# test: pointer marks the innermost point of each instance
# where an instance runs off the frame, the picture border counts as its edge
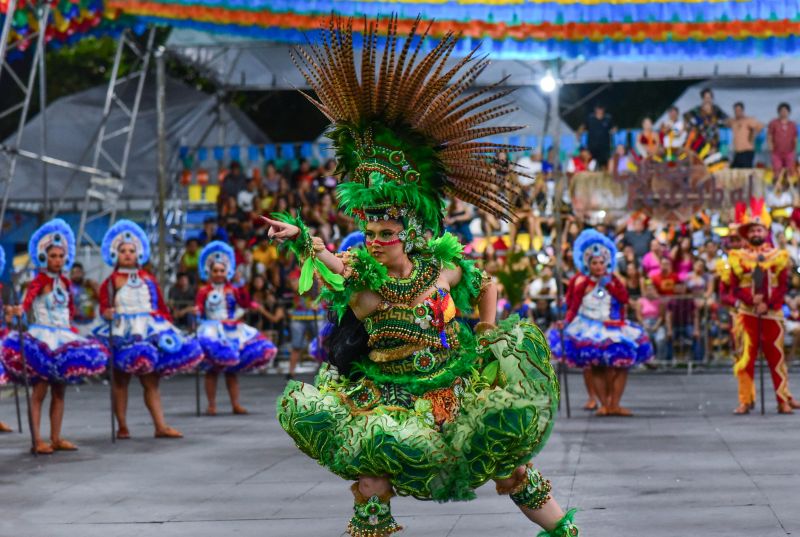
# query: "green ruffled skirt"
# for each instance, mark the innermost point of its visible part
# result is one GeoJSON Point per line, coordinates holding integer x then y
{"type": "Point", "coordinates": [437, 439]}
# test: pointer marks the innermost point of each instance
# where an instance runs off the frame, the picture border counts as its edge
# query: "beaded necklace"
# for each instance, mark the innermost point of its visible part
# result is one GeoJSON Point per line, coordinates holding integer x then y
{"type": "Point", "coordinates": [404, 290]}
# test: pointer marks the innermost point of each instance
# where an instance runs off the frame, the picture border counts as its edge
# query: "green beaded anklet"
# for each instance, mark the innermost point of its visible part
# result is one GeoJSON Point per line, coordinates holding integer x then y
{"type": "Point", "coordinates": [372, 516]}
{"type": "Point", "coordinates": [533, 492]}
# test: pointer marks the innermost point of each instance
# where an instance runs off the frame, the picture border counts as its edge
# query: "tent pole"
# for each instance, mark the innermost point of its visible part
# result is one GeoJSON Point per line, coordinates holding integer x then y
{"type": "Point", "coordinates": [162, 163]}
{"type": "Point", "coordinates": [560, 179]}
{"type": "Point", "coordinates": [43, 119]}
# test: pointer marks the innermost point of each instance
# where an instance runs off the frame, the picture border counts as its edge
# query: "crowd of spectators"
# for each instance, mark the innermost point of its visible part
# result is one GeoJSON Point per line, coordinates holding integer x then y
{"type": "Point", "coordinates": [669, 270]}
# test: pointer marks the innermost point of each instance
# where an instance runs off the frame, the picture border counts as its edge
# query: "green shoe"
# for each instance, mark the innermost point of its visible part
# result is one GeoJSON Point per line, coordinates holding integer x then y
{"type": "Point", "coordinates": [372, 516]}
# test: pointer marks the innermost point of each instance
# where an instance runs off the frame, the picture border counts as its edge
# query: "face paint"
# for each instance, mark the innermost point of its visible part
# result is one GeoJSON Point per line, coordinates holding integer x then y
{"type": "Point", "coordinates": [376, 242]}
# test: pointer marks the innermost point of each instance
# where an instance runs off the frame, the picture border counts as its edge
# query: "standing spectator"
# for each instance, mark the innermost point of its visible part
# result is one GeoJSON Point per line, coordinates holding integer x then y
{"type": "Point", "coordinates": [212, 232]}
{"type": "Point", "coordinates": [626, 257]}
{"type": "Point", "coordinates": [706, 120]}
{"type": "Point", "coordinates": [307, 319]}
{"type": "Point", "coordinates": [181, 301]}
{"type": "Point", "coordinates": [683, 322]}
{"type": "Point", "coordinates": [271, 182]}
{"type": "Point", "coordinates": [682, 258]}
{"type": "Point", "coordinates": [700, 285]}
{"type": "Point", "coordinates": [233, 182]}
{"type": "Point", "coordinates": [651, 313]}
{"type": "Point", "coordinates": [304, 174]}
{"type": "Point", "coordinates": [599, 127]}
{"type": "Point", "coordinates": [542, 314]}
{"type": "Point", "coordinates": [651, 262]}
{"type": "Point", "coordinates": [779, 194]}
{"type": "Point", "coordinates": [710, 254]}
{"type": "Point", "coordinates": [782, 140]}
{"type": "Point", "coordinates": [582, 162]}
{"type": "Point", "coordinates": [745, 129]}
{"type": "Point", "coordinates": [264, 254]}
{"type": "Point", "coordinates": [638, 236]}
{"type": "Point", "coordinates": [665, 281]}
{"type": "Point", "coordinates": [648, 143]}
{"type": "Point", "coordinates": [623, 159]}
{"type": "Point", "coordinates": [459, 217]}
{"type": "Point", "coordinates": [247, 199]}
{"type": "Point", "coordinates": [190, 259]}
{"type": "Point", "coordinates": [231, 217]}
{"type": "Point", "coordinates": [543, 285]}
{"type": "Point", "coordinates": [673, 130]}
{"type": "Point", "coordinates": [529, 168]}
{"type": "Point", "coordinates": [85, 298]}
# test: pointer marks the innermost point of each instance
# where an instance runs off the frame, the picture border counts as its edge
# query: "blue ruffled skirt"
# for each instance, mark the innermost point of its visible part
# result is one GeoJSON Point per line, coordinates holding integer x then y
{"type": "Point", "coordinates": [145, 343]}
{"type": "Point", "coordinates": [53, 354]}
{"type": "Point", "coordinates": [589, 342]}
{"type": "Point", "coordinates": [234, 347]}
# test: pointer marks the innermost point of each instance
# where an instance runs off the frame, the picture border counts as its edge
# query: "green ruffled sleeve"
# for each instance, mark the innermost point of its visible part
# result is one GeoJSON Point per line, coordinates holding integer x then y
{"type": "Point", "coordinates": [303, 247]}
{"type": "Point", "coordinates": [451, 253]}
{"type": "Point", "coordinates": [366, 274]}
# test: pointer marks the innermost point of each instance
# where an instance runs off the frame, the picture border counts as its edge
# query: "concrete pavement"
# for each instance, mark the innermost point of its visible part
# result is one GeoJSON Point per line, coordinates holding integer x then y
{"type": "Point", "coordinates": [683, 466]}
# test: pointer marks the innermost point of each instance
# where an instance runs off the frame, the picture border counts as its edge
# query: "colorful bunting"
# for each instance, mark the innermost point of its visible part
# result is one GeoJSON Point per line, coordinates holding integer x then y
{"type": "Point", "coordinates": [518, 28]}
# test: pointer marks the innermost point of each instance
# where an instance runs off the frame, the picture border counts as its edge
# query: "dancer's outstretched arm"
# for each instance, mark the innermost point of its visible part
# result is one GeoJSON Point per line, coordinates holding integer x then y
{"type": "Point", "coordinates": [282, 231]}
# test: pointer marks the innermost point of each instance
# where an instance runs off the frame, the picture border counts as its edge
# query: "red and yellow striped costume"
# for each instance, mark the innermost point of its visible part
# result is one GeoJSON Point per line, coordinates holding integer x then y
{"type": "Point", "coordinates": [769, 327]}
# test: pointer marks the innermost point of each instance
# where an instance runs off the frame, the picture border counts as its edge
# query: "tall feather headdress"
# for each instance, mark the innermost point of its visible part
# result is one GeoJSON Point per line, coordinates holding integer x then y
{"type": "Point", "coordinates": [408, 127]}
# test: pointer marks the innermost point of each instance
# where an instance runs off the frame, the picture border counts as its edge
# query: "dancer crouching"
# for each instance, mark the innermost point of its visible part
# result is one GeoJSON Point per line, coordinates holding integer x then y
{"type": "Point", "coordinates": [55, 354]}
{"type": "Point", "coordinates": [230, 346]}
{"type": "Point", "coordinates": [596, 334]}
{"type": "Point", "coordinates": [145, 343]}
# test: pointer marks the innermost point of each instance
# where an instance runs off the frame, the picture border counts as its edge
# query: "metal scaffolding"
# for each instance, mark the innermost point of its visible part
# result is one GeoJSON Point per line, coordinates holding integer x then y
{"type": "Point", "coordinates": [109, 150]}
{"type": "Point", "coordinates": [107, 190]}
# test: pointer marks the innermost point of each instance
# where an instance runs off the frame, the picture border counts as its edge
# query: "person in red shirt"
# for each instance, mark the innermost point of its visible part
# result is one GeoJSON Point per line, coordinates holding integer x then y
{"type": "Point", "coordinates": [782, 139]}
{"type": "Point", "coordinates": [666, 278]}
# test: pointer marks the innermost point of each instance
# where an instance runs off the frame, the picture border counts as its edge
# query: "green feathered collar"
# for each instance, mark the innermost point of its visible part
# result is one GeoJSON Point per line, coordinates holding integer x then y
{"type": "Point", "coordinates": [370, 275]}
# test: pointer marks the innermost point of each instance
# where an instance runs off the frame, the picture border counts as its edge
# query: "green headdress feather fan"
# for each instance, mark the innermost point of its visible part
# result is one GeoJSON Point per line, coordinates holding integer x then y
{"type": "Point", "coordinates": [408, 130]}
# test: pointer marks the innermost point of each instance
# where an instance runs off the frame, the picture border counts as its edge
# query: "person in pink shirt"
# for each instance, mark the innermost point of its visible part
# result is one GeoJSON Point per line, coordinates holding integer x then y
{"type": "Point", "coordinates": [782, 139]}
{"type": "Point", "coordinates": [651, 262]}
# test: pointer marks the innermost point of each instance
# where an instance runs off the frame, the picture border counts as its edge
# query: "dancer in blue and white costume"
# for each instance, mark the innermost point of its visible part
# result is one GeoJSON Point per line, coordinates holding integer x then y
{"type": "Point", "coordinates": [597, 334]}
{"type": "Point", "coordinates": [230, 346]}
{"type": "Point", "coordinates": [145, 343]}
{"type": "Point", "coordinates": [54, 352]}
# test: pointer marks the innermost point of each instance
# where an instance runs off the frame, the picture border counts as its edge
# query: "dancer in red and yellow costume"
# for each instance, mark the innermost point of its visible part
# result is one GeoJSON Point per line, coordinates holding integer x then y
{"type": "Point", "coordinates": [758, 281]}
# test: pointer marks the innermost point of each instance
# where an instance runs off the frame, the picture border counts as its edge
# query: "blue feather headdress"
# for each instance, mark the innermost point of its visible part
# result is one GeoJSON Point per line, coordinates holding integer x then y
{"type": "Point", "coordinates": [591, 243]}
{"type": "Point", "coordinates": [216, 252]}
{"type": "Point", "coordinates": [56, 232]}
{"type": "Point", "coordinates": [353, 240]}
{"type": "Point", "coordinates": [125, 232]}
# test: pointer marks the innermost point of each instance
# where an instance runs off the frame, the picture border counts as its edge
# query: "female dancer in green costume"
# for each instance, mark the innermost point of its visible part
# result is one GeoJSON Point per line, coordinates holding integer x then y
{"type": "Point", "coordinates": [413, 402]}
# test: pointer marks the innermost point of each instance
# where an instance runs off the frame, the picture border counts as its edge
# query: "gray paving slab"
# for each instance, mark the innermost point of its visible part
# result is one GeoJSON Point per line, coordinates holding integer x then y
{"type": "Point", "coordinates": [683, 466]}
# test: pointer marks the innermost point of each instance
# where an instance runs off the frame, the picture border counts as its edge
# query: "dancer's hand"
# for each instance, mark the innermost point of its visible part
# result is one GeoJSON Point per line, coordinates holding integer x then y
{"type": "Point", "coordinates": [109, 314]}
{"type": "Point", "coordinates": [280, 230]}
{"type": "Point", "coordinates": [318, 243]}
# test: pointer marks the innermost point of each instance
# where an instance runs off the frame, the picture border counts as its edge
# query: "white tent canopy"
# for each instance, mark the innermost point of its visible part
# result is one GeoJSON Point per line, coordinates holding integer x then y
{"type": "Point", "coordinates": [239, 62]}
{"type": "Point", "coordinates": [192, 118]}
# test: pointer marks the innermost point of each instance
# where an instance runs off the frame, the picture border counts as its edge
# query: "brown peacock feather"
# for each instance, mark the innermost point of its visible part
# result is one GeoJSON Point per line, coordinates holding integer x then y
{"type": "Point", "coordinates": [404, 85]}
